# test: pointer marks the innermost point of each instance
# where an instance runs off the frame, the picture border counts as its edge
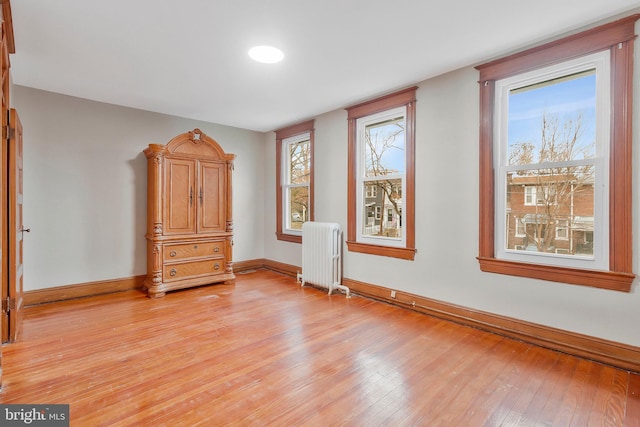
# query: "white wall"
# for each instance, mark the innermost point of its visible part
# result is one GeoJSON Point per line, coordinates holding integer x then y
{"type": "Point", "coordinates": [445, 267]}
{"type": "Point", "coordinates": [85, 192]}
{"type": "Point", "coordinates": [85, 186]}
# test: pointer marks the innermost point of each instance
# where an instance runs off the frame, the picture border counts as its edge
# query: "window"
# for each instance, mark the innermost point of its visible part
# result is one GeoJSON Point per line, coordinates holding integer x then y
{"type": "Point", "coordinates": [553, 173]}
{"type": "Point", "coordinates": [537, 195]}
{"type": "Point", "coordinates": [562, 231]}
{"type": "Point", "coordinates": [520, 228]}
{"type": "Point", "coordinates": [381, 176]}
{"type": "Point", "coordinates": [551, 135]}
{"type": "Point", "coordinates": [296, 180]}
{"type": "Point", "coordinates": [530, 196]}
{"type": "Point", "coordinates": [294, 170]}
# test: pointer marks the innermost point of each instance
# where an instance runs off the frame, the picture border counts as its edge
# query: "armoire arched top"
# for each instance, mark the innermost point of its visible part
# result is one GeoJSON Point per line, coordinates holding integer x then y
{"type": "Point", "coordinates": [196, 143]}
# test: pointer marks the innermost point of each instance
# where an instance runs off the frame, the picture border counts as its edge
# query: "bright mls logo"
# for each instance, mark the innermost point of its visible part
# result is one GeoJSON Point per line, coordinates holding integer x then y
{"type": "Point", "coordinates": [34, 415]}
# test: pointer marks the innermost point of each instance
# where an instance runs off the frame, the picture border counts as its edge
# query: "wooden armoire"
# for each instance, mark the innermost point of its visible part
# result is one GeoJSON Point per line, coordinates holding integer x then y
{"type": "Point", "coordinates": [189, 215]}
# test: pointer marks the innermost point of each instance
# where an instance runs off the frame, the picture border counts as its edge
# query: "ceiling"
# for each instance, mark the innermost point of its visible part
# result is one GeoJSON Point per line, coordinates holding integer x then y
{"type": "Point", "coordinates": [188, 58]}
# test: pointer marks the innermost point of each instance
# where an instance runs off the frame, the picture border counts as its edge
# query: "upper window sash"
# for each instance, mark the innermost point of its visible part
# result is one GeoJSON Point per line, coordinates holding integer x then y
{"type": "Point", "coordinates": [600, 62]}
{"type": "Point", "coordinates": [287, 159]}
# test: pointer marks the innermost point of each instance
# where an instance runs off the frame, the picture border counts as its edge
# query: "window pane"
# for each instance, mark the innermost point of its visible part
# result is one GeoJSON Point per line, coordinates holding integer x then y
{"type": "Point", "coordinates": [298, 206]}
{"type": "Point", "coordinates": [551, 210]}
{"type": "Point", "coordinates": [384, 148]}
{"type": "Point", "coordinates": [387, 199]}
{"type": "Point", "coordinates": [553, 121]}
{"type": "Point", "coordinates": [300, 162]}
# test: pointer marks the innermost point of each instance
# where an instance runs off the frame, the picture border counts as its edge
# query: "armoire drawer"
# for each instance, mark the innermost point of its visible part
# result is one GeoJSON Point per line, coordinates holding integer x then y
{"type": "Point", "coordinates": [194, 250]}
{"type": "Point", "coordinates": [186, 270]}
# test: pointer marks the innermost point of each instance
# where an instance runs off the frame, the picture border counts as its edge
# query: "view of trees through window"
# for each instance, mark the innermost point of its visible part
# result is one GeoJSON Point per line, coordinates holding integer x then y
{"type": "Point", "coordinates": [550, 173]}
{"type": "Point", "coordinates": [384, 170]}
{"type": "Point", "coordinates": [298, 187]}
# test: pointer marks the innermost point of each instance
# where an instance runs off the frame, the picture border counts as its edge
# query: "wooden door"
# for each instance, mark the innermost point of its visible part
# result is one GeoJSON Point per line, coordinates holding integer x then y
{"type": "Point", "coordinates": [4, 199]}
{"type": "Point", "coordinates": [211, 197]}
{"type": "Point", "coordinates": [180, 196]}
{"type": "Point", "coordinates": [7, 46]}
{"type": "Point", "coordinates": [4, 276]}
{"type": "Point", "coordinates": [16, 227]}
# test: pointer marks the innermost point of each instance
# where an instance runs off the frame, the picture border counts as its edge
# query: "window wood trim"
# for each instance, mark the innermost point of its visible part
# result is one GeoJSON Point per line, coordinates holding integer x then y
{"type": "Point", "coordinates": [282, 134]}
{"type": "Point", "coordinates": [618, 38]}
{"type": "Point", "coordinates": [406, 97]}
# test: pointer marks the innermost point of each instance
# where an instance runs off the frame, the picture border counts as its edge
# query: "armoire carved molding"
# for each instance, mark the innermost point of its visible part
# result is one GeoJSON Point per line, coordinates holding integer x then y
{"type": "Point", "coordinates": [189, 214]}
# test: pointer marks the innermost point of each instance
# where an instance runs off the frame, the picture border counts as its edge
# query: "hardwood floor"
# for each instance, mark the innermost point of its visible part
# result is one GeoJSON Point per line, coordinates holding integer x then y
{"type": "Point", "coordinates": [267, 352]}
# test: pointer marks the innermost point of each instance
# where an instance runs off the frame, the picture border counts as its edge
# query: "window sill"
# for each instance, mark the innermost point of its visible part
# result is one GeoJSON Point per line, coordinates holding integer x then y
{"type": "Point", "coordinates": [596, 279]}
{"type": "Point", "coordinates": [289, 237]}
{"type": "Point", "coordinates": [390, 251]}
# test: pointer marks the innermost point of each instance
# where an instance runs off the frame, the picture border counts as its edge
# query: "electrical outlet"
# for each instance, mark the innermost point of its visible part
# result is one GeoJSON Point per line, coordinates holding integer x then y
{"type": "Point", "coordinates": [393, 294]}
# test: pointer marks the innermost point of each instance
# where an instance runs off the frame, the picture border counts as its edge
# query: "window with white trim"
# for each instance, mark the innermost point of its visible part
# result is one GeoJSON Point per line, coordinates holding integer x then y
{"type": "Point", "coordinates": [294, 167]}
{"type": "Point", "coordinates": [372, 191]}
{"type": "Point", "coordinates": [296, 177]}
{"type": "Point", "coordinates": [598, 176]}
{"type": "Point", "coordinates": [530, 195]}
{"type": "Point", "coordinates": [538, 195]}
{"type": "Point", "coordinates": [552, 136]}
{"type": "Point", "coordinates": [382, 155]}
{"type": "Point", "coordinates": [562, 231]}
{"type": "Point", "coordinates": [381, 165]}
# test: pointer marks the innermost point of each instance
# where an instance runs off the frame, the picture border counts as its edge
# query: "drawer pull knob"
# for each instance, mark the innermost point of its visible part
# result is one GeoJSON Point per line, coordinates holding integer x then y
{"type": "Point", "coordinates": [172, 253]}
{"type": "Point", "coordinates": [216, 267]}
{"type": "Point", "coordinates": [195, 246]}
{"type": "Point", "coordinates": [216, 249]}
{"type": "Point", "coordinates": [173, 272]}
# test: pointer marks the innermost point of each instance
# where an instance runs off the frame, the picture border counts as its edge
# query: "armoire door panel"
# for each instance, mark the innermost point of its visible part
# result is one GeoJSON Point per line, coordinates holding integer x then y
{"type": "Point", "coordinates": [212, 197]}
{"type": "Point", "coordinates": [180, 206]}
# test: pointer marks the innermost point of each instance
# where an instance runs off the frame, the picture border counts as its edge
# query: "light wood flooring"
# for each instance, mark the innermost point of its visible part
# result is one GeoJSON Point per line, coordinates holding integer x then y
{"type": "Point", "coordinates": [267, 352]}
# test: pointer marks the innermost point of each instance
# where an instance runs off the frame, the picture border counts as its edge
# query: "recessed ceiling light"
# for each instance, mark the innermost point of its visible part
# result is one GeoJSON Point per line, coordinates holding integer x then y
{"type": "Point", "coordinates": [266, 54]}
